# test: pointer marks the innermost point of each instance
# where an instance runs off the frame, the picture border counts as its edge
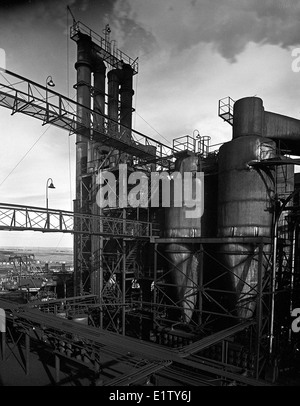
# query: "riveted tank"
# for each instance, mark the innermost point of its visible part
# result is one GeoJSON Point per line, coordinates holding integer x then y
{"type": "Point", "coordinates": [182, 257]}
{"type": "Point", "coordinates": [245, 210]}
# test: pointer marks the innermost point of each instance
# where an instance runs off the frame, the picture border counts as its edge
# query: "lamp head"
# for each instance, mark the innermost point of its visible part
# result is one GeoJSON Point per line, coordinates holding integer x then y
{"type": "Point", "coordinates": [51, 186]}
{"type": "Point", "coordinates": [50, 82]}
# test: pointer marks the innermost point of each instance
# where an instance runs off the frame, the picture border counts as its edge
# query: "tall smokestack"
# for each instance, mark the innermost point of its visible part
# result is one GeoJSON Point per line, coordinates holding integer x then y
{"type": "Point", "coordinates": [84, 68]}
{"type": "Point", "coordinates": [127, 93]}
{"type": "Point", "coordinates": [95, 155]}
{"type": "Point", "coordinates": [113, 77]}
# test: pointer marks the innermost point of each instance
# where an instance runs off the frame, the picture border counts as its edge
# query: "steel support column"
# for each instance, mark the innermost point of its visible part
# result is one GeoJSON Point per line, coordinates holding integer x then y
{"type": "Point", "coordinates": [3, 345]}
{"type": "Point", "coordinates": [259, 314]}
{"type": "Point", "coordinates": [27, 352]}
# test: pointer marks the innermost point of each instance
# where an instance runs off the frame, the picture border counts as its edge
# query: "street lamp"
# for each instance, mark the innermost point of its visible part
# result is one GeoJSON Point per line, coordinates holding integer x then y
{"type": "Point", "coordinates": [49, 186]}
{"type": "Point", "coordinates": [49, 81]}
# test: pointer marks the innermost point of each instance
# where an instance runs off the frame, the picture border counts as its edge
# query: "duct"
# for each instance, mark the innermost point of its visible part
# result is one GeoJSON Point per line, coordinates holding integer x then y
{"type": "Point", "coordinates": [284, 130]}
{"type": "Point", "coordinates": [250, 118]}
{"type": "Point", "coordinates": [183, 261]}
{"type": "Point", "coordinates": [99, 92]}
{"type": "Point", "coordinates": [96, 151]}
{"type": "Point", "coordinates": [95, 148]}
{"type": "Point", "coordinates": [83, 67]}
{"type": "Point", "coordinates": [244, 203]}
{"type": "Point", "coordinates": [114, 77]}
{"type": "Point", "coordinates": [281, 127]}
{"type": "Point", "coordinates": [126, 92]}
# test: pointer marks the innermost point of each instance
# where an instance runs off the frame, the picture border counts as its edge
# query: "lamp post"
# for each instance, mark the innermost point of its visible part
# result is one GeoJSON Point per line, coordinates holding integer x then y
{"type": "Point", "coordinates": [50, 83]}
{"type": "Point", "coordinates": [49, 186]}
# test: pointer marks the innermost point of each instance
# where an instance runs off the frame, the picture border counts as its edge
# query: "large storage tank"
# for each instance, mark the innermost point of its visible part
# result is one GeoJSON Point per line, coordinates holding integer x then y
{"type": "Point", "coordinates": [244, 210]}
{"type": "Point", "coordinates": [183, 261]}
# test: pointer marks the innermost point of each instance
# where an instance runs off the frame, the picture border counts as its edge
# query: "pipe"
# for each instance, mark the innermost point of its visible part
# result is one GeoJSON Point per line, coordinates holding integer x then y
{"type": "Point", "coordinates": [293, 272]}
{"type": "Point", "coordinates": [96, 151]}
{"type": "Point", "coordinates": [84, 68]}
{"type": "Point", "coordinates": [95, 148]}
{"type": "Point", "coordinates": [273, 282]}
{"type": "Point", "coordinates": [278, 213]}
{"type": "Point", "coordinates": [126, 92]}
{"type": "Point", "coordinates": [99, 91]}
{"type": "Point", "coordinates": [113, 107]}
{"type": "Point", "coordinates": [113, 77]}
{"type": "Point", "coordinates": [250, 118]}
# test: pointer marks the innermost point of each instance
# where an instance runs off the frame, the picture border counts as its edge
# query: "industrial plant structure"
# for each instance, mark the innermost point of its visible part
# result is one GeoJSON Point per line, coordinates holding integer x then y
{"type": "Point", "coordinates": [160, 297]}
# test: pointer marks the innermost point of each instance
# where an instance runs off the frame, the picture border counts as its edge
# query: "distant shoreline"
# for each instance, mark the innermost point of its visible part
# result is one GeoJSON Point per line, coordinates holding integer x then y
{"type": "Point", "coordinates": [51, 255]}
{"type": "Point", "coordinates": [30, 248]}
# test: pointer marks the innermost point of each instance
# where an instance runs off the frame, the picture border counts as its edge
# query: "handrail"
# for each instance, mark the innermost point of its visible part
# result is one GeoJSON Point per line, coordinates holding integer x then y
{"type": "Point", "coordinates": [20, 217]}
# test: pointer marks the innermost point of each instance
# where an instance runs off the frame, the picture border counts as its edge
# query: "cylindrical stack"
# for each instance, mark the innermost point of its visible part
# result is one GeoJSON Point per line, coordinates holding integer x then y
{"type": "Point", "coordinates": [244, 210]}
{"type": "Point", "coordinates": [99, 92]}
{"type": "Point", "coordinates": [248, 117]}
{"type": "Point", "coordinates": [96, 154]}
{"type": "Point", "coordinates": [113, 77]}
{"type": "Point", "coordinates": [126, 94]}
{"type": "Point", "coordinates": [84, 69]}
{"type": "Point", "coordinates": [99, 109]}
{"type": "Point", "coordinates": [183, 262]}
{"type": "Point", "coordinates": [83, 66]}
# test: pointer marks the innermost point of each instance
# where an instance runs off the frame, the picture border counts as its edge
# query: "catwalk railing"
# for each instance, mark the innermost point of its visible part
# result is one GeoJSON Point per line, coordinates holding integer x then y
{"type": "Point", "coordinates": [88, 345]}
{"type": "Point", "coordinates": [105, 48]}
{"type": "Point", "coordinates": [18, 217]}
{"type": "Point", "coordinates": [22, 95]}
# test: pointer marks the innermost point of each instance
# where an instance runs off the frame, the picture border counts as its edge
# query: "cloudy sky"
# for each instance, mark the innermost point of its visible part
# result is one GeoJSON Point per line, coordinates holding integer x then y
{"type": "Point", "coordinates": [191, 53]}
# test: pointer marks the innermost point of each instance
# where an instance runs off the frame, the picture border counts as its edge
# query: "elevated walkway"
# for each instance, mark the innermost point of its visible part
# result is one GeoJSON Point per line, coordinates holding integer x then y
{"type": "Point", "coordinates": [21, 218]}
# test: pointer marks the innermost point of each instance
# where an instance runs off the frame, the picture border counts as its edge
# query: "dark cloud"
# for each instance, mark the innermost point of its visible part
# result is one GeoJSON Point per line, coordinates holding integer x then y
{"type": "Point", "coordinates": [228, 25]}
{"type": "Point", "coordinates": [12, 4]}
{"type": "Point", "coordinates": [145, 26]}
{"type": "Point", "coordinates": [43, 13]}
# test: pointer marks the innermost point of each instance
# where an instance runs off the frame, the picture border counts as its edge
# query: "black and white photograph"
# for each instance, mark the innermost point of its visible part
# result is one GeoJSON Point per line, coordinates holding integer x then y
{"type": "Point", "coordinates": [150, 196]}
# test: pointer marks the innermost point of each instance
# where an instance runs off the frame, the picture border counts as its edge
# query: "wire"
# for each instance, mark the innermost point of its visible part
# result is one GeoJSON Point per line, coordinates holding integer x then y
{"type": "Point", "coordinates": [70, 174]}
{"type": "Point", "coordinates": [24, 156]}
{"type": "Point", "coordinates": [153, 128]}
{"type": "Point", "coordinates": [135, 99]}
{"type": "Point", "coordinates": [68, 93]}
{"type": "Point", "coordinates": [136, 85]}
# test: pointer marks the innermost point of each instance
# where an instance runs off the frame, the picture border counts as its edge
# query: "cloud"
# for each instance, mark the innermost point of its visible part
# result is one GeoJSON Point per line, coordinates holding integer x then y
{"type": "Point", "coordinates": [228, 25]}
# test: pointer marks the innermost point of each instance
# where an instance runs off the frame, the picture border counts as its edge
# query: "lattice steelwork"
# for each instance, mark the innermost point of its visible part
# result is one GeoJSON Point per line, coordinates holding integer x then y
{"type": "Point", "coordinates": [214, 310]}
{"type": "Point", "coordinates": [108, 358]}
{"type": "Point", "coordinates": [22, 95]}
{"type": "Point", "coordinates": [19, 217]}
{"type": "Point", "coordinates": [109, 248]}
{"type": "Point", "coordinates": [106, 50]}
